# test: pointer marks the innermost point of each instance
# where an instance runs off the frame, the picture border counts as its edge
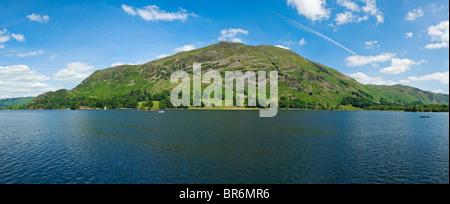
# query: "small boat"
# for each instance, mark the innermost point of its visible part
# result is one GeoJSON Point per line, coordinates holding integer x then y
{"type": "Point", "coordinates": [105, 108]}
{"type": "Point", "coordinates": [161, 112]}
{"type": "Point", "coordinates": [425, 116]}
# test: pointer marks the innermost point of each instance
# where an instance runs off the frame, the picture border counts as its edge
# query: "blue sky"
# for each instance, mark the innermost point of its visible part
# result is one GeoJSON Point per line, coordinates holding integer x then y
{"type": "Point", "coordinates": [51, 44]}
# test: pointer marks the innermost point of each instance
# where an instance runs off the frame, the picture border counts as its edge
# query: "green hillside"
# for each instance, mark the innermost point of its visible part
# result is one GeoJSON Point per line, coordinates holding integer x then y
{"type": "Point", "coordinates": [302, 83]}
{"type": "Point", "coordinates": [4, 103]}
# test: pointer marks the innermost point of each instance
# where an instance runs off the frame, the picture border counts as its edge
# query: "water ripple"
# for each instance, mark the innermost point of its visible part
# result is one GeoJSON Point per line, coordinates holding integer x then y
{"type": "Point", "coordinates": [222, 147]}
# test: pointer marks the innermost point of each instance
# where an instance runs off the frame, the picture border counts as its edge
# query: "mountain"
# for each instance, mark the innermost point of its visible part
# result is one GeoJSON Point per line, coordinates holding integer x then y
{"type": "Point", "coordinates": [302, 83]}
{"type": "Point", "coordinates": [4, 103]}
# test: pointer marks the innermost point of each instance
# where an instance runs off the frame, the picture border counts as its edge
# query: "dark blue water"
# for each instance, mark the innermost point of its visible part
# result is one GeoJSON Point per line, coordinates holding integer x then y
{"type": "Point", "coordinates": [223, 147]}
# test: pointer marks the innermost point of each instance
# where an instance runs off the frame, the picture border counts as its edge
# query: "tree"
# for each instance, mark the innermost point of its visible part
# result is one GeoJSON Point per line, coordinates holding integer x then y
{"type": "Point", "coordinates": [148, 104]}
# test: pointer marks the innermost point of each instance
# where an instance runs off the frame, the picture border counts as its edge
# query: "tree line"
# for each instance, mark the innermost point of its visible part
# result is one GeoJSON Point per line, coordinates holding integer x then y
{"type": "Point", "coordinates": [62, 99]}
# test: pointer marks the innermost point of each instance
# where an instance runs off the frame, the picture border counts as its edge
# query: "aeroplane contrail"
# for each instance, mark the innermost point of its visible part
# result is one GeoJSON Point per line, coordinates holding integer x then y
{"type": "Point", "coordinates": [303, 27]}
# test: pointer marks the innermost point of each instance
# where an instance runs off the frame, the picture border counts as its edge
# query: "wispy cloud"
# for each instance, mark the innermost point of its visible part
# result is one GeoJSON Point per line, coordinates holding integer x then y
{"type": "Point", "coordinates": [357, 60]}
{"type": "Point", "coordinates": [154, 13]}
{"type": "Point", "coordinates": [231, 35]}
{"type": "Point", "coordinates": [38, 18]}
{"type": "Point", "coordinates": [355, 13]}
{"type": "Point", "coordinates": [414, 14]}
{"type": "Point", "coordinates": [74, 72]}
{"type": "Point", "coordinates": [348, 17]}
{"type": "Point", "coordinates": [29, 54]}
{"type": "Point", "coordinates": [302, 42]}
{"type": "Point", "coordinates": [372, 44]}
{"type": "Point", "coordinates": [282, 47]}
{"type": "Point", "coordinates": [162, 56]}
{"type": "Point", "coordinates": [303, 27]}
{"type": "Point", "coordinates": [365, 79]}
{"type": "Point", "coordinates": [18, 37]}
{"type": "Point", "coordinates": [21, 81]}
{"type": "Point", "coordinates": [348, 4]}
{"type": "Point", "coordinates": [5, 36]}
{"type": "Point", "coordinates": [438, 76]}
{"type": "Point", "coordinates": [184, 48]}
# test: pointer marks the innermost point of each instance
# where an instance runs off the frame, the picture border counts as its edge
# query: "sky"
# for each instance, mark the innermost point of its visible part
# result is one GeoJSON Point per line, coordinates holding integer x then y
{"type": "Point", "coordinates": [48, 45]}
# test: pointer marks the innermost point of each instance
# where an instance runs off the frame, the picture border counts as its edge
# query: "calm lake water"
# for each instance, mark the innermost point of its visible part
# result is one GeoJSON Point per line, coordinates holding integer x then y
{"type": "Point", "coordinates": [223, 147]}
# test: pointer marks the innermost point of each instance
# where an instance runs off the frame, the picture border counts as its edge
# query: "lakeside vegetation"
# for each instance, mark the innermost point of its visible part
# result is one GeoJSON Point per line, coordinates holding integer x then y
{"type": "Point", "coordinates": [354, 103]}
{"type": "Point", "coordinates": [11, 102]}
{"type": "Point", "coordinates": [143, 100]}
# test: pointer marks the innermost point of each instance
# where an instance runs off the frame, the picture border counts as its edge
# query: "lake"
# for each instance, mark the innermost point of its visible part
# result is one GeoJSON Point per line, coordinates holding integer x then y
{"type": "Point", "coordinates": [223, 147]}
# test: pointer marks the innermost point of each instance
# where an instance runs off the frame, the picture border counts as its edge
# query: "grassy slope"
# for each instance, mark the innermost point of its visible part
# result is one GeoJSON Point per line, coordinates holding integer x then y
{"type": "Point", "coordinates": [299, 78]}
{"type": "Point", "coordinates": [14, 101]}
{"type": "Point", "coordinates": [407, 94]}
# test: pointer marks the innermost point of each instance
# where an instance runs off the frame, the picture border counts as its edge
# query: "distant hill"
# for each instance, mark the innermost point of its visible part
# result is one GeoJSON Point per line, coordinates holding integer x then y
{"type": "Point", "coordinates": [302, 83]}
{"type": "Point", "coordinates": [14, 101]}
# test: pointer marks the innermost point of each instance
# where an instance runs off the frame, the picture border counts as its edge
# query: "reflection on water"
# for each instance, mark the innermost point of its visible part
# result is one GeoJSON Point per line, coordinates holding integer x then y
{"type": "Point", "coordinates": [222, 147]}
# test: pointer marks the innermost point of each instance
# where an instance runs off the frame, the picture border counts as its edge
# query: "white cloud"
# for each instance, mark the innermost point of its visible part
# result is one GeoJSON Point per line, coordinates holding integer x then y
{"type": "Point", "coordinates": [312, 9]}
{"type": "Point", "coordinates": [18, 37]}
{"type": "Point", "coordinates": [358, 60]}
{"type": "Point", "coordinates": [371, 9]}
{"type": "Point", "coordinates": [399, 66]}
{"type": "Point", "coordinates": [365, 79]}
{"type": "Point", "coordinates": [344, 18]}
{"type": "Point", "coordinates": [440, 34]}
{"type": "Point", "coordinates": [409, 35]}
{"type": "Point", "coordinates": [38, 18]}
{"type": "Point", "coordinates": [162, 56]}
{"type": "Point", "coordinates": [356, 14]}
{"type": "Point", "coordinates": [438, 76]}
{"type": "Point", "coordinates": [439, 91]}
{"type": "Point", "coordinates": [120, 64]}
{"type": "Point", "coordinates": [130, 10]}
{"type": "Point", "coordinates": [184, 48]}
{"type": "Point", "coordinates": [282, 47]}
{"type": "Point", "coordinates": [302, 42]}
{"type": "Point", "coordinates": [153, 13]}
{"type": "Point", "coordinates": [352, 6]}
{"type": "Point", "coordinates": [53, 57]}
{"type": "Point", "coordinates": [436, 46]}
{"type": "Point", "coordinates": [116, 64]}
{"type": "Point", "coordinates": [231, 35]}
{"type": "Point", "coordinates": [29, 54]}
{"type": "Point", "coordinates": [348, 17]}
{"type": "Point", "coordinates": [4, 36]}
{"type": "Point", "coordinates": [380, 18]}
{"type": "Point", "coordinates": [414, 14]}
{"type": "Point", "coordinates": [21, 81]}
{"type": "Point", "coordinates": [74, 72]}
{"type": "Point", "coordinates": [3, 31]}
{"type": "Point", "coordinates": [372, 44]}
